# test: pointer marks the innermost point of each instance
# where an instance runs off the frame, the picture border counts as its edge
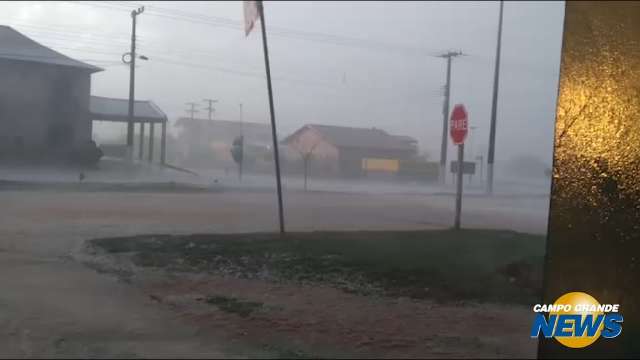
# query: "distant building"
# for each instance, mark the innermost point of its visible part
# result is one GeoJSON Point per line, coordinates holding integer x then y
{"type": "Point", "coordinates": [207, 143]}
{"type": "Point", "coordinates": [349, 151]}
{"type": "Point", "coordinates": [44, 99]}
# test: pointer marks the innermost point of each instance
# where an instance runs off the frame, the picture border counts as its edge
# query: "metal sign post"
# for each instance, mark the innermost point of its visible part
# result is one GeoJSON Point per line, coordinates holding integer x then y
{"type": "Point", "coordinates": [456, 224]}
{"type": "Point", "coordinates": [458, 129]}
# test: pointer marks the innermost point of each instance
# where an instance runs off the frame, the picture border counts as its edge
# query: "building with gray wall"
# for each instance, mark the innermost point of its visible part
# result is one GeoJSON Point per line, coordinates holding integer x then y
{"type": "Point", "coordinates": [44, 99]}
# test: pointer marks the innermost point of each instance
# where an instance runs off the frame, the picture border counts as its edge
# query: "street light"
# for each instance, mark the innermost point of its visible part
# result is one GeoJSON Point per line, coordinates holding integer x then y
{"type": "Point", "coordinates": [128, 61]}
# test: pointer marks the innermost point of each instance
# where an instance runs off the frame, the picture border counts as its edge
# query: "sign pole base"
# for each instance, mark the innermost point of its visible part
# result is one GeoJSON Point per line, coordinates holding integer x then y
{"type": "Point", "coordinates": [459, 182]}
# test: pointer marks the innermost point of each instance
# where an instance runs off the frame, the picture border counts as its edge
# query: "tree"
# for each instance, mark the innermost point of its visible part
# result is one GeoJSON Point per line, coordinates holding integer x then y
{"type": "Point", "coordinates": [237, 152]}
{"type": "Point", "coordinates": [87, 155]}
{"type": "Point", "coordinates": [306, 153]}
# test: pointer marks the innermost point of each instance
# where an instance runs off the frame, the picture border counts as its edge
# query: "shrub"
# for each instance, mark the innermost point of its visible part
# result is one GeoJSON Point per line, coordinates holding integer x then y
{"type": "Point", "coordinates": [86, 155]}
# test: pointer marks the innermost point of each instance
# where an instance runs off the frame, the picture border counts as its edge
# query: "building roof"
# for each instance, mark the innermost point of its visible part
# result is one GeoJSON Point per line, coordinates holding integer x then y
{"type": "Point", "coordinates": [226, 130]}
{"type": "Point", "coordinates": [15, 46]}
{"type": "Point", "coordinates": [110, 109]}
{"type": "Point", "coordinates": [363, 138]}
{"type": "Point", "coordinates": [406, 138]}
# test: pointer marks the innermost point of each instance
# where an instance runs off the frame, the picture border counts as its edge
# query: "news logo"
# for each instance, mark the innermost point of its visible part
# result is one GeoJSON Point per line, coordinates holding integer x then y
{"type": "Point", "coordinates": [577, 320]}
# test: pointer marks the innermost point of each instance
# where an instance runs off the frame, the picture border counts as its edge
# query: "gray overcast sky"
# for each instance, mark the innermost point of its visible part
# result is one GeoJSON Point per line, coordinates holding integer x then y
{"type": "Point", "coordinates": [381, 86]}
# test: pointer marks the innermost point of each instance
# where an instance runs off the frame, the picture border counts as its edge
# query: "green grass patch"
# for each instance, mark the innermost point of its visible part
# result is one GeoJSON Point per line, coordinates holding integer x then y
{"type": "Point", "coordinates": [484, 265]}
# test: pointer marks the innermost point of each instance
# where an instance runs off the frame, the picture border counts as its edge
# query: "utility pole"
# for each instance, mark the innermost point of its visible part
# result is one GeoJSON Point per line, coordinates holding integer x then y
{"type": "Point", "coordinates": [141, 145]}
{"type": "Point", "coordinates": [445, 115]}
{"type": "Point", "coordinates": [132, 79]}
{"type": "Point", "coordinates": [241, 122]}
{"type": "Point", "coordinates": [456, 224]}
{"type": "Point", "coordinates": [274, 135]}
{"type": "Point", "coordinates": [242, 143]}
{"type": "Point", "coordinates": [210, 107]}
{"type": "Point", "coordinates": [193, 110]}
{"type": "Point", "coordinates": [480, 159]}
{"type": "Point", "coordinates": [472, 151]}
{"type": "Point", "coordinates": [472, 130]}
{"type": "Point", "coordinates": [494, 108]}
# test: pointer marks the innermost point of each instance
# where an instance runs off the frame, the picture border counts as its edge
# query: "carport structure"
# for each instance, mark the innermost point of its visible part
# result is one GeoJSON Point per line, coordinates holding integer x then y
{"type": "Point", "coordinates": [144, 111]}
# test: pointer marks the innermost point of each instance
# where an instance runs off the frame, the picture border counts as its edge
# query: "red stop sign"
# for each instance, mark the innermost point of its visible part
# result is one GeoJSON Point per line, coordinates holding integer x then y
{"type": "Point", "coordinates": [458, 124]}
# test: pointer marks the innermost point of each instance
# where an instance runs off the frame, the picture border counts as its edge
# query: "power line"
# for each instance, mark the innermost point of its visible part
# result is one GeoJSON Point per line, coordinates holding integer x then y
{"type": "Point", "coordinates": [171, 61]}
{"type": "Point", "coordinates": [41, 36]}
{"type": "Point", "coordinates": [117, 48]}
{"type": "Point", "coordinates": [152, 52]}
{"type": "Point", "coordinates": [334, 40]}
{"type": "Point", "coordinates": [82, 33]}
{"type": "Point", "coordinates": [207, 56]}
{"type": "Point", "coordinates": [237, 72]}
{"type": "Point", "coordinates": [31, 57]}
{"type": "Point", "coordinates": [63, 38]}
{"type": "Point", "coordinates": [57, 37]}
{"type": "Point", "coordinates": [164, 59]}
{"type": "Point", "coordinates": [300, 34]}
{"type": "Point", "coordinates": [88, 50]}
{"type": "Point", "coordinates": [64, 27]}
{"type": "Point", "coordinates": [180, 15]}
{"type": "Point", "coordinates": [98, 5]}
{"type": "Point", "coordinates": [72, 38]}
{"type": "Point", "coordinates": [62, 30]}
{"type": "Point", "coordinates": [40, 58]}
{"type": "Point", "coordinates": [51, 33]}
{"type": "Point", "coordinates": [109, 40]}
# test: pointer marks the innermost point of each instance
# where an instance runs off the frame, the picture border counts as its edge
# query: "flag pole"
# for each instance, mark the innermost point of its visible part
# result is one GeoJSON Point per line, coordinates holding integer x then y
{"type": "Point", "coordinates": [273, 116]}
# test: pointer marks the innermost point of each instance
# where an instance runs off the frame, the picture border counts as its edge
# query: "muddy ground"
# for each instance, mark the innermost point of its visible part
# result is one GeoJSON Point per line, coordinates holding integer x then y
{"type": "Point", "coordinates": [262, 293]}
{"type": "Point", "coordinates": [55, 306]}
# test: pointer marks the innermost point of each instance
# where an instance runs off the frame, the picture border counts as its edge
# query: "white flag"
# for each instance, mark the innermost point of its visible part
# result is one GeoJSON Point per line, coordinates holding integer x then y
{"type": "Point", "coordinates": [250, 16]}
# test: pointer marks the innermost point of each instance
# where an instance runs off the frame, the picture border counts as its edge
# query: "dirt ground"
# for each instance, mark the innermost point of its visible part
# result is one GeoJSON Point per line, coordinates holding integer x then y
{"type": "Point", "coordinates": [53, 306]}
{"type": "Point", "coordinates": [58, 308]}
{"type": "Point", "coordinates": [320, 321]}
